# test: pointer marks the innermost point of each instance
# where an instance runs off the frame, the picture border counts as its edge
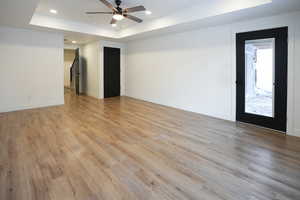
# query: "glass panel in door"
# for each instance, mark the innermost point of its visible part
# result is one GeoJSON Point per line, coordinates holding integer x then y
{"type": "Point", "coordinates": [259, 76]}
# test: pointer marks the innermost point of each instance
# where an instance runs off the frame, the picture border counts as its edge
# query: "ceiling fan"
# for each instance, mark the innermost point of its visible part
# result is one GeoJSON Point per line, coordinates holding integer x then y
{"type": "Point", "coordinates": [120, 13]}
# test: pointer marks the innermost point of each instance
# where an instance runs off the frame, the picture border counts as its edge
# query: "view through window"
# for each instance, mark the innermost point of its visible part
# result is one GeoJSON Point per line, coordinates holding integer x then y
{"type": "Point", "coordinates": [259, 95]}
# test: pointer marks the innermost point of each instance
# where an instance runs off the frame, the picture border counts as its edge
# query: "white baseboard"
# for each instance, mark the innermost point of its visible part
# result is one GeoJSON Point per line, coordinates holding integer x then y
{"type": "Point", "coordinates": [227, 118]}
{"type": "Point", "coordinates": [295, 132]}
{"type": "Point", "coordinates": [27, 107]}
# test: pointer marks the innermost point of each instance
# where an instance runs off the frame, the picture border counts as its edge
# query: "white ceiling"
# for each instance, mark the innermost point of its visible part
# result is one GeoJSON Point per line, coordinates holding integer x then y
{"type": "Point", "coordinates": [74, 10]}
{"type": "Point", "coordinates": [12, 13]}
{"type": "Point", "coordinates": [167, 15]}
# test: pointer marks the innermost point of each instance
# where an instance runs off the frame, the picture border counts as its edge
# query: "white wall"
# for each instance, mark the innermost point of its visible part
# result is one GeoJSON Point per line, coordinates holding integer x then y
{"type": "Point", "coordinates": [195, 70]}
{"type": "Point", "coordinates": [188, 71]}
{"type": "Point", "coordinates": [32, 69]}
{"type": "Point", "coordinates": [297, 80]}
{"type": "Point", "coordinates": [90, 61]}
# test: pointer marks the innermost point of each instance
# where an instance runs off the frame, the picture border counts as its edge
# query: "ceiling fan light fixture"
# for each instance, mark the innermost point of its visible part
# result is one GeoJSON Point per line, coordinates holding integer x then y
{"type": "Point", "coordinates": [120, 13]}
{"type": "Point", "coordinates": [114, 25]}
{"type": "Point", "coordinates": [118, 17]}
{"type": "Point", "coordinates": [148, 12]}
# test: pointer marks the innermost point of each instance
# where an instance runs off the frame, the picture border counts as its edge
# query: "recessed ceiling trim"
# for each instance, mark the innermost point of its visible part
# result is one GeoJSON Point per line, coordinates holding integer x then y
{"type": "Point", "coordinates": [214, 8]}
{"type": "Point", "coordinates": [192, 14]}
{"type": "Point", "coordinates": [65, 25]}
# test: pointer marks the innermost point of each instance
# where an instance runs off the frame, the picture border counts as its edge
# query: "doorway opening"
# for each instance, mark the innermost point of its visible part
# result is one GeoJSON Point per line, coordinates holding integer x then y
{"type": "Point", "coordinates": [69, 56]}
{"type": "Point", "coordinates": [262, 78]}
{"type": "Point", "coordinates": [71, 71]}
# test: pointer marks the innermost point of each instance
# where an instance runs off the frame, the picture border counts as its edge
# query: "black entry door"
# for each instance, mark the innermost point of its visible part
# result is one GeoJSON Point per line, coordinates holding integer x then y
{"type": "Point", "coordinates": [262, 78]}
{"type": "Point", "coordinates": [111, 72]}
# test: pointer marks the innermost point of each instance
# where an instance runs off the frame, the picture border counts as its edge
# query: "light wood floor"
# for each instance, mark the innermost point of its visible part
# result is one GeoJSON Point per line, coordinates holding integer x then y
{"type": "Point", "coordinates": [122, 148]}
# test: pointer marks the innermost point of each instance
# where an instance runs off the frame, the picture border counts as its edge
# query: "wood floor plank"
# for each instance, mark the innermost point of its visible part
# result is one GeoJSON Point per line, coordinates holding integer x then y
{"type": "Point", "coordinates": [126, 149]}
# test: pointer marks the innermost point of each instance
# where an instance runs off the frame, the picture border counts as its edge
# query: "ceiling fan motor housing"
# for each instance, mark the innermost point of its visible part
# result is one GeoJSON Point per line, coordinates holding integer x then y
{"type": "Point", "coordinates": [118, 2]}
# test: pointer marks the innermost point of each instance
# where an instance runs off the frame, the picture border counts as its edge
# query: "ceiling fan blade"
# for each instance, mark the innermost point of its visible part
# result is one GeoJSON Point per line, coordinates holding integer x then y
{"type": "Point", "coordinates": [105, 2]}
{"type": "Point", "coordinates": [135, 9]}
{"type": "Point", "coordinates": [113, 21]}
{"type": "Point", "coordinates": [136, 19]}
{"type": "Point", "coordinates": [90, 13]}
